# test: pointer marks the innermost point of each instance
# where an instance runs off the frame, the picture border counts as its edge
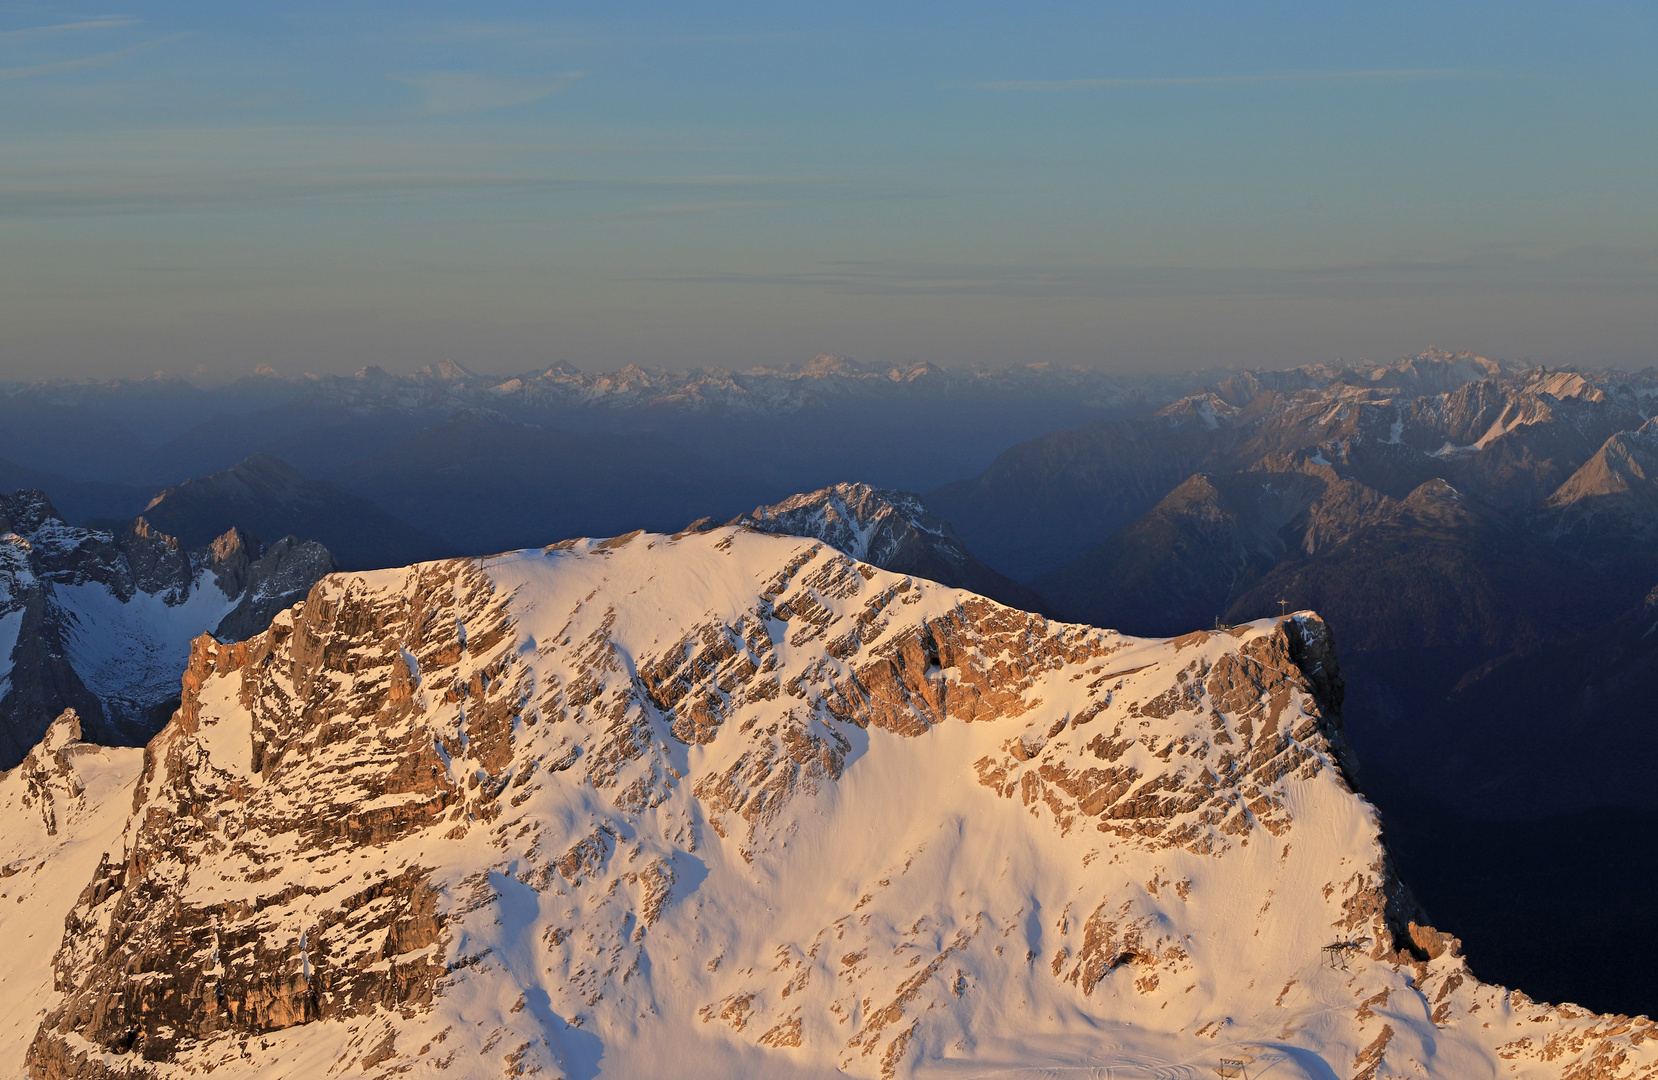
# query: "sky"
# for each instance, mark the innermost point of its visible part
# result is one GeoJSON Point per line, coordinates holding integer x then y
{"type": "Point", "coordinates": [207, 187]}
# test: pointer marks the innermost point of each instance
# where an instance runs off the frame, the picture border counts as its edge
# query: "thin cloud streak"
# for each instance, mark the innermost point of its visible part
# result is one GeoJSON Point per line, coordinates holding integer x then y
{"type": "Point", "coordinates": [278, 187]}
{"type": "Point", "coordinates": [83, 63]}
{"type": "Point", "coordinates": [451, 93]}
{"type": "Point", "coordinates": [1050, 86]}
{"type": "Point", "coordinates": [687, 210]}
{"type": "Point", "coordinates": [1486, 271]}
{"type": "Point", "coordinates": [60, 28]}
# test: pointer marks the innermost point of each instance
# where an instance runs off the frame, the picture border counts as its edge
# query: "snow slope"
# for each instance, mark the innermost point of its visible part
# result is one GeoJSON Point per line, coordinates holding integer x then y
{"type": "Point", "coordinates": [129, 652]}
{"type": "Point", "coordinates": [64, 807]}
{"type": "Point", "coordinates": [734, 804]}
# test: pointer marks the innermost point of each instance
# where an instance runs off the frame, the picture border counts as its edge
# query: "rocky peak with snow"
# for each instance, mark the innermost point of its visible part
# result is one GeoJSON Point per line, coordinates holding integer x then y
{"type": "Point", "coordinates": [868, 523]}
{"type": "Point", "coordinates": [890, 529]}
{"type": "Point", "coordinates": [101, 622]}
{"type": "Point", "coordinates": [730, 803]}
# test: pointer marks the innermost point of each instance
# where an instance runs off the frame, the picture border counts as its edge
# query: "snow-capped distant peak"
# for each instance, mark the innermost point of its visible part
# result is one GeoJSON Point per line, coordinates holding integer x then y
{"type": "Point", "coordinates": [444, 371]}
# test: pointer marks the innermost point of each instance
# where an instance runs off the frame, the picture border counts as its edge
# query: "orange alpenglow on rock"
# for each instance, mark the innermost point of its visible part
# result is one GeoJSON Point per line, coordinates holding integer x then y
{"type": "Point", "coordinates": [730, 803]}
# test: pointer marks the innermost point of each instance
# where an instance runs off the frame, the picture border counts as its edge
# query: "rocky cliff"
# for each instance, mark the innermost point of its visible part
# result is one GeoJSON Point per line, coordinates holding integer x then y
{"type": "Point", "coordinates": [101, 622]}
{"type": "Point", "coordinates": [730, 803]}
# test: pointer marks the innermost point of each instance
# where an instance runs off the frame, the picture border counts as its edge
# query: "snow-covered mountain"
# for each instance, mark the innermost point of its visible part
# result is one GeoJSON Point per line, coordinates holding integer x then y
{"type": "Point", "coordinates": [890, 529]}
{"type": "Point", "coordinates": [101, 622]}
{"type": "Point", "coordinates": [64, 807]}
{"type": "Point", "coordinates": [735, 804]}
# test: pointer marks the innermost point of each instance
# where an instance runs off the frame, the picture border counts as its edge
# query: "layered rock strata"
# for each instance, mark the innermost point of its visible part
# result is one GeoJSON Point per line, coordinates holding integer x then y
{"type": "Point", "coordinates": [736, 804]}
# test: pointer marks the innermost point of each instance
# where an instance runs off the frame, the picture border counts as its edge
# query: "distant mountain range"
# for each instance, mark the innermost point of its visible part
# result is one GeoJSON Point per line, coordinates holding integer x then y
{"type": "Point", "coordinates": [911, 425]}
{"type": "Point", "coordinates": [1511, 436]}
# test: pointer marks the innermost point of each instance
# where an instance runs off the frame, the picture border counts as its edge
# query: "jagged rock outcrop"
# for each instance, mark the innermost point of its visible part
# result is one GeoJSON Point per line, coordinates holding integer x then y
{"type": "Point", "coordinates": [730, 803]}
{"type": "Point", "coordinates": [890, 529]}
{"type": "Point", "coordinates": [101, 622]}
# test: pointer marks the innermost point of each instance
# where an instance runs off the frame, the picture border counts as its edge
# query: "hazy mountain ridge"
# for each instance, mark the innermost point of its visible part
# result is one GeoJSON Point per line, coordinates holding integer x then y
{"type": "Point", "coordinates": [764, 389]}
{"type": "Point", "coordinates": [265, 496]}
{"type": "Point", "coordinates": [115, 429]}
{"type": "Point", "coordinates": [578, 785]}
{"type": "Point", "coordinates": [1511, 436]}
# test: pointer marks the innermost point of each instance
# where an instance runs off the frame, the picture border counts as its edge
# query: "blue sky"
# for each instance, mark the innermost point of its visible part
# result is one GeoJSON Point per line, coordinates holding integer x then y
{"type": "Point", "coordinates": [316, 187]}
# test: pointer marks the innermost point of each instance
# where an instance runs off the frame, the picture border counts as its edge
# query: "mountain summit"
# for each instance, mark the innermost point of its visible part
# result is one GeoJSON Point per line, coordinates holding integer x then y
{"type": "Point", "coordinates": [890, 529]}
{"type": "Point", "coordinates": [735, 804]}
{"type": "Point", "coordinates": [1619, 482]}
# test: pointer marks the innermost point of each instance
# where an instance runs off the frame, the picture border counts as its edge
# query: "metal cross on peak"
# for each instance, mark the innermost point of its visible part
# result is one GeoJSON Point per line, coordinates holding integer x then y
{"type": "Point", "coordinates": [1283, 608]}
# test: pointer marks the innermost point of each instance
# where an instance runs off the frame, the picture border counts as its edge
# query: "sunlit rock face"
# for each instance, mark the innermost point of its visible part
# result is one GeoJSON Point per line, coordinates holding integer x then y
{"type": "Point", "coordinates": [731, 803]}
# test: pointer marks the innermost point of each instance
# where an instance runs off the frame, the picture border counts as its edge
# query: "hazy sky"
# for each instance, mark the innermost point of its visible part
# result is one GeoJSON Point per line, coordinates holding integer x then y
{"type": "Point", "coordinates": [319, 186]}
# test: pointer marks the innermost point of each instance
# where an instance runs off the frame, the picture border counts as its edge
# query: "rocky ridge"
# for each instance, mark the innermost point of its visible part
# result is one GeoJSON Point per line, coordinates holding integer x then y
{"type": "Point", "coordinates": [1510, 436]}
{"type": "Point", "coordinates": [101, 622]}
{"type": "Point", "coordinates": [730, 803]}
{"type": "Point", "coordinates": [890, 529]}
